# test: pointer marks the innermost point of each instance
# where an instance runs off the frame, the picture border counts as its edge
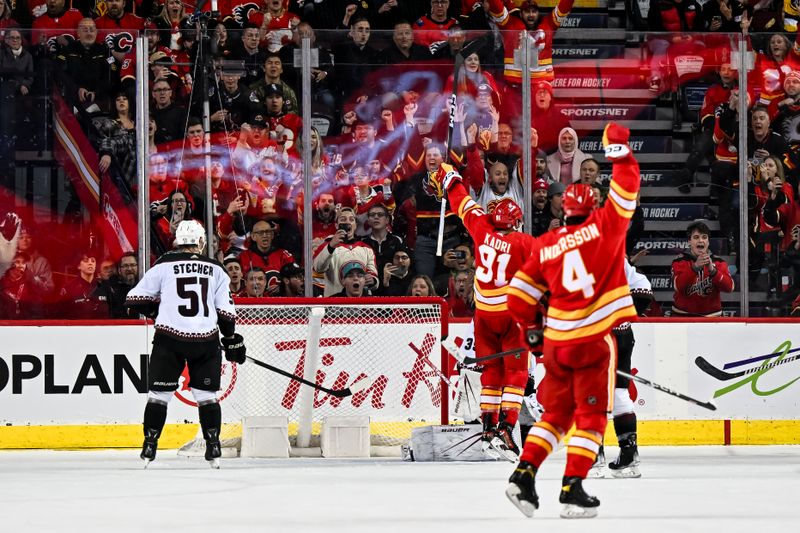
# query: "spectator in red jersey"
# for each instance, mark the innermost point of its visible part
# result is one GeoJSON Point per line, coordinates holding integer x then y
{"type": "Point", "coordinates": [118, 29]}
{"type": "Point", "coordinates": [788, 114]}
{"type": "Point", "coordinates": [699, 276]}
{"type": "Point", "coordinates": [233, 266]}
{"type": "Point", "coordinates": [433, 27]}
{"type": "Point", "coordinates": [161, 186]}
{"type": "Point", "coordinates": [19, 298]}
{"type": "Point", "coordinates": [178, 210]}
{"type": "Point", "coordinates": [462, 299]}
{"type": "Point", "coordinates": [546, 119]}
{"type": "Point", "coordinates": [285, 128]}
{"type": "Point", "coordinates": [363, 197]}
{"type": "Point", "coordinates": [168, 24]}
{"type": "Point", "coordinates": [276, 24]}
{"type": "Point", "coordinates": [264, 254]}
{"type": "Point", "coordinates": [676, 17]}
{"type": "Point", "coordinates": [56, 27]}
{"type": "Point", "coordinates": [6, 20]}
{"type": "Point", "coordinates": [343, 248]}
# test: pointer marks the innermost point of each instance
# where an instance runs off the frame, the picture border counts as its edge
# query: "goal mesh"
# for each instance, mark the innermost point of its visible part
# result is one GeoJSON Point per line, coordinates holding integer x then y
{"type": "Point", "coordinates": [395, 344]}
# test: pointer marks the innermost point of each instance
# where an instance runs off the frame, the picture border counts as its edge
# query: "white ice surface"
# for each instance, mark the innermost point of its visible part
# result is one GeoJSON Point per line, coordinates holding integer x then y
{"type": "Point", "coordinates": [683, 489]}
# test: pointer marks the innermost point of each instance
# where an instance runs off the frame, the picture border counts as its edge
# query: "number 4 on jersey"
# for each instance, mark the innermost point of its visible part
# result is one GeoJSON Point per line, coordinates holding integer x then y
{"type": "Point", "coordinates": [575, 277]}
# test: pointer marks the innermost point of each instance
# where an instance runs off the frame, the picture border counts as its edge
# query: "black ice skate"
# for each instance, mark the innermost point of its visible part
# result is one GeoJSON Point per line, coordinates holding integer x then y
{"type": "Point", "coordinates": [627, 464]}
{"type": "Point", "coordinates": [577, 504]}
{"type": "Point", "coordinates": [213, 448]}
{"type": "Point", "coordinates": [597, 470]}
{"type": "Point", "coordinates": [503, 442]}
{"type": "Point", "coordinates": [149, 446]}
{"type": "Point", "coordinates": [521, 490]}
{"type": "Point", "coordinates": [489, 434]}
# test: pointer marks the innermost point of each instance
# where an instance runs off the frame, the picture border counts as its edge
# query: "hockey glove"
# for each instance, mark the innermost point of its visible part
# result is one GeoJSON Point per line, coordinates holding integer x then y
{"type": "Point", "coordinates": [615, 142]}
{"type": "Point", "coordinates": [444, 178]}
{"type": "Point", "coordinates": [235, 350]}
{"type": "Point", "coordinates": [533, 337]}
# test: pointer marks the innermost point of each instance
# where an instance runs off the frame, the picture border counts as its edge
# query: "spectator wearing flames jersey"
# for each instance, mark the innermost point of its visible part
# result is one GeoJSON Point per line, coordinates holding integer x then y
{"type": "Point", "coordinates": [433, 27]}
{"type": "Point", "coordinates": [119, 29]}
{"type": "Point", "coordinates": [699, 277]}
{"type": "Point", "coordinates": [540, 31]}
{"type": "Point", "coordinates": [55, 27]}
{"type": "Point", "coordinates": [261, 253]}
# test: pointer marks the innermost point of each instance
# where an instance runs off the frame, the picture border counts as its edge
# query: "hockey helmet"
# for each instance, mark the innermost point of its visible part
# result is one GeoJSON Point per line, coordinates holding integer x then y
{"type": "Point", "coordinates": [579, 200]}
{"type": "Point", "coordinates": [190, 233]}
{"type": "Point", "coordinates": [506, 215]}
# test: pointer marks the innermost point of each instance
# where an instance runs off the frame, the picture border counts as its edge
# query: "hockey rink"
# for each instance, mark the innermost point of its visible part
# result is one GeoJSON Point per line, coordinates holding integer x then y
{"type": "Point", "coordinates": [683, 489]}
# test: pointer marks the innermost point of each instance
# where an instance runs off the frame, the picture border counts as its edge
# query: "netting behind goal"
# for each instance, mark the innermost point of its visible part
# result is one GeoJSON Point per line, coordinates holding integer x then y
{"type": "Point", "coordinates": [394, 344]}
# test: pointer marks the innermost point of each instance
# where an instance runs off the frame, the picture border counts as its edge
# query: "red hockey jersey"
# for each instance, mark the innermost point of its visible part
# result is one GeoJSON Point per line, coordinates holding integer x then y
{"type": "Point", "coordinates": [119, 34]}
{"type": "Point", "coordinates": [541, 38]}
{"type": "Point", "coordinates": [583, 268]}
{"type": "Point", "coordinates": [497, 255]}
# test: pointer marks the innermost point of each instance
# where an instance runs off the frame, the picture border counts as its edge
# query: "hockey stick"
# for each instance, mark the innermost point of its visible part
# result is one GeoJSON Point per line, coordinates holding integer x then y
{"type": "Point", "coordinates": [708, 405]}
{"type": "Point", "coordinates": [341, 393]}
{"type": "Point", "coordinates": [760, 357]}
{"type": "Point", "coordinates": [452, 102]}
{"type": "Point", "coordinates": [473, 360]}
{"type": "Point", "coordinates": [721, 375]}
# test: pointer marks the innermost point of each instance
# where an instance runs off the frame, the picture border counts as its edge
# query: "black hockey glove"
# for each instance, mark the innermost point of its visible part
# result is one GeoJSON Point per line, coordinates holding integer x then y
{"type": "Point", "coordinates": [235, 350]}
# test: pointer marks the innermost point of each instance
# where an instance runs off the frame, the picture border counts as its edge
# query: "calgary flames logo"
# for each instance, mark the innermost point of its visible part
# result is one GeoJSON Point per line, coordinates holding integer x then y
{"type": "Point", "coordinates": [120, 42]}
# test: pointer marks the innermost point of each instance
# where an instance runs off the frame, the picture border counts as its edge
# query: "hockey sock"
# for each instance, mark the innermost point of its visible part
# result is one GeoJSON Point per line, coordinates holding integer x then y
{"type": "Point", "coordinates": [542, 440]}
{"type": "Point", "coordinates": [511, 403]}
{"type": "Point", "coordinates": [624, 425]}
{"type": "Point", "coordinates": [581, 453]}
{"type": "Point", "coordinates": [490, 403]}
{"type": "Point", "coordinates": [155, 415]}
{"type": "Point", "coordinates": [210, 420]}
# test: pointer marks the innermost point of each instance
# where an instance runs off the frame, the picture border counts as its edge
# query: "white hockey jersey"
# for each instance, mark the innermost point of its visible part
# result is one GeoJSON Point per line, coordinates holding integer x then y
{"type": "Point", "coordinates": [192, 292]}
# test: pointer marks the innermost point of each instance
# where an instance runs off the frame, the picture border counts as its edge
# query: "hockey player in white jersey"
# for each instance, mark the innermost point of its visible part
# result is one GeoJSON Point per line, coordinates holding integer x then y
{"type": "Point", "coordinates": [188, 295]}
{"type": "Point", "coordinates": [626, 465]}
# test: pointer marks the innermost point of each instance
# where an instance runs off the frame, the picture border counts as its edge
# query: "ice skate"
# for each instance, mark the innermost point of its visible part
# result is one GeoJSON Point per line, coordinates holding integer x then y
{"type": "Point", "coordinates": [597, 471]}
{"type": "Point", "coordinates": [490, 435]}
{"type": "Point", "coordinates": [627, 464]}
{"type": "Point", "coordinates": [213, 448]}
{"type": "Point", "coordinates": [577, 504]}
{"type": "Point", "coordinates": [149, 447]}
{"type": "Point", "coordinates": [521, 490]}
{"type": "Point", "coordinates": [503, 443]}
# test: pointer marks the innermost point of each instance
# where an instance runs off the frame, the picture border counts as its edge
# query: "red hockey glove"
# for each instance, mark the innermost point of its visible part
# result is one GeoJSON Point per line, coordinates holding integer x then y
{"type": "Point", "coordinates": [615, 142]}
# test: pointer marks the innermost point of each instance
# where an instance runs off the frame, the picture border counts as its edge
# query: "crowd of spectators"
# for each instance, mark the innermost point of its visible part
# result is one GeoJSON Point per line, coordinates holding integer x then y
{"type": "Point", "coordinates": [379, 94]}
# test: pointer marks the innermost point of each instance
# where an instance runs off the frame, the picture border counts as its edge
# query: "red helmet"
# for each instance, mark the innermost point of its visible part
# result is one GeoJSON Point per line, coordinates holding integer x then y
{"type": "Point", "coordinates": [506, 214]}
{"type": "Point", "coordinates": [579, 200]}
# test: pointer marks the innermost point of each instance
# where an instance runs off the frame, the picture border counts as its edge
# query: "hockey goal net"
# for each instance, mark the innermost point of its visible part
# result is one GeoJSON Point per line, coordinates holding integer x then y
{"type": "Point", "coordinates": [394, 343]}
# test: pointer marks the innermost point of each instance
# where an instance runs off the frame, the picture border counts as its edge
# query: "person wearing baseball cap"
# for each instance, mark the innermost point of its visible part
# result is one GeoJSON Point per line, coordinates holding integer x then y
{"type": "Point", "coordinates": [540, 214]}
{"type": "Point", "coordinates": [292, 281]}
{"type": "Point", "coordinates": [353, 276]}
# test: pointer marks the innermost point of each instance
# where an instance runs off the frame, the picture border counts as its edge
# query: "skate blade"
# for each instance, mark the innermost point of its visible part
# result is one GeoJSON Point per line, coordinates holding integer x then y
{"type": "Point", "coordinates": [503, 451]}
{"type": "Point", "coordinates": [512, 493]}
{"type": "Point", "coordinates": [596, 472]}
{"type": "Point", "coordinates": [628, 472]}
{"type": "Point", "coordinates": [487, 449]}
{"type": "Point", "coordinates": [576, 511]}
{"type": "Point", "coordinates": [214, 463]}
{"type": "Point", "coordinates": [147, 462]}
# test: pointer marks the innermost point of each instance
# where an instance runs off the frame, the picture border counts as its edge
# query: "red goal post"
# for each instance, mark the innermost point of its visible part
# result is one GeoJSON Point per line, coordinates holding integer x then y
{"type": "Point", "coordinates": [395, 343]}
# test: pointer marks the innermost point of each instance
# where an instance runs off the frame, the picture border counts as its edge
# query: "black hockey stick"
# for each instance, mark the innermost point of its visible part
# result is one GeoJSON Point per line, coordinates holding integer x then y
{"type": "Point", "coordinates": [722, 375]}
{"type": "Point", "coordinates": [708, 405]}
{"type": "Point", "coordinates": [473, 360]}
{"type": "Point", "coordinates": [341, 393]}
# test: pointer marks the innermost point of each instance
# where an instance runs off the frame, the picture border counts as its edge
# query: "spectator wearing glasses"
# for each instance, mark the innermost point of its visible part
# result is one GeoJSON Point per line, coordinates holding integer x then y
{"type": "Point", "coordinates": [262, 253]}
{"type": "Point", "coordinates": [380, 237]}
{"type": "Point", "coordinates": [398, 274]}
{"type": "Point", "coordinates": [178, 210]}
{"type": "Point", "coordinates": [170, 118]}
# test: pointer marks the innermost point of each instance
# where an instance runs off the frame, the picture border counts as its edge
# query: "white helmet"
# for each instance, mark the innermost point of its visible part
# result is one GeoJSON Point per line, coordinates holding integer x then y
{"type": "Point", "coordinates": [190, 233]}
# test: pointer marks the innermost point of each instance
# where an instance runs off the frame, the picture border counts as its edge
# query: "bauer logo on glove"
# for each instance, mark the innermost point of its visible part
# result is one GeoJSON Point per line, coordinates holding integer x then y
{"type": "Point", "coordinates": [615, 141]}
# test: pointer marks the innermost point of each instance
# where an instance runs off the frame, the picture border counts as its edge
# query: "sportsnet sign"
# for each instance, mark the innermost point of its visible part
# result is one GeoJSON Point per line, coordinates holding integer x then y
{"type": "Point", "coordinates": [607, 112]}
{"type": "Point", "coordinates": [598, 51]}
{"type": "Point", "coordinates": [674, 211]}
{"type": "Point", "coordinates": [652, 144]}
{"type": "Point", "coordinates": [675, 246]}
{"type": "Point", "coordinates": [652, 178]}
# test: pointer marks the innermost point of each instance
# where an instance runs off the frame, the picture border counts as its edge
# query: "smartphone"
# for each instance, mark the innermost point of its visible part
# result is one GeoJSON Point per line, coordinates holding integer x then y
{"type": "Point", "coordinates": [716, 18]}
{"type": "Point", "coordinates": [344, 226]}
{"type": "Point", "coordinates": [399, 272]}
{"type": "Point", "coordinates": [459, 254]}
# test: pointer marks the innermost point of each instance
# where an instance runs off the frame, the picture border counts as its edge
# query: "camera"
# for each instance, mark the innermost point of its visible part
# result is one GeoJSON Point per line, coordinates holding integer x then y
{"type": "Point", "coordinates": [459, 254]}
{"type": "Point", "coordinates": [345, 227]}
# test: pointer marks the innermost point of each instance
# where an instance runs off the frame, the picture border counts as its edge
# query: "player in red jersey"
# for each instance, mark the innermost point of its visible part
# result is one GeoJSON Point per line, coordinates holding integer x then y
{"type": "Point", "coordinates": [582, 266]}
{"type": "Point", "coordinates": [500, 250]}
